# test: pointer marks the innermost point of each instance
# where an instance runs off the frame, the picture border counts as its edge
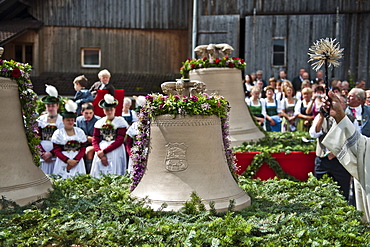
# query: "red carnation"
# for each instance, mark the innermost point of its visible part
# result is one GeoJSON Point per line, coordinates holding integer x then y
{"type": "Point", "coordinates": [204, 58]}
{"type": "Point", "coordinates": [226, 57]}
{"type": "Point", "coordinates": [217, 60]}
{"type": "Point", "coordinates": [16, 72]}
{"type": "Point", "coordinates": [242, 60]}
{"type": "Point", "coordinates": [231, 65]}
{"type": "Point", "coordinates": [192, 66]}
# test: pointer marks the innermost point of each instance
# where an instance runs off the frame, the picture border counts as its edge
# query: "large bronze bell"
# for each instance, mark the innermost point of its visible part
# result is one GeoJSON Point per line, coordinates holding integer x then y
{"type": "Point", "coordinates": [20, 180]}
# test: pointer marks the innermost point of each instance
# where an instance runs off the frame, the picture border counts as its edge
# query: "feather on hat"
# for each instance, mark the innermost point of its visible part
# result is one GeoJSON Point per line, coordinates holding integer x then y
{"type": "Point", "coordinates": [70, 109]}
{"type": "Point", "coordinates": [51, 90]}
{"type": "Point", "coordinates": [108, 102]}
{"type": "Point", "coordinates": [52, 97]}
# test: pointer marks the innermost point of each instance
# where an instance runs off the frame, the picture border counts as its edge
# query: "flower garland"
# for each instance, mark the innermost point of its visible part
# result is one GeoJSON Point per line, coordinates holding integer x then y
{"type": "Point", "coordinates": [266, 157]}
{"type": "Point", "coordinates": [157, 104]}
{"type": "Point", "coordinates": [20, 73]}
{"type": "Point", "coordinates": [275, 142]}
{"type": "Point", "coordinates": [205, 62]}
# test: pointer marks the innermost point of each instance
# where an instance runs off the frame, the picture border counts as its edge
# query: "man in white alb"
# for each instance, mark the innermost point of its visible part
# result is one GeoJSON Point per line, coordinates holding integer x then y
{"type": "Point", "coordinates": [352, 150]}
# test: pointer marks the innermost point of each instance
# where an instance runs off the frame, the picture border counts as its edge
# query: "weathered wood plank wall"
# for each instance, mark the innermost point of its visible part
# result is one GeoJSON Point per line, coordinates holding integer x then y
{"type": "Point", "coordinates": [220, 29]}
{"type": "Point", "coordinates": [301, 23]}
{"type": "Point", "coordinates": [246, 7]}
{"type": "Point", "coordinates": [118, 27]}
{"type": "Point", "coordinates": [135, 14]}
{"type": "Point", "coordinates": [123, 50]}
{"type": "Point", "coordinates": [300, 32]}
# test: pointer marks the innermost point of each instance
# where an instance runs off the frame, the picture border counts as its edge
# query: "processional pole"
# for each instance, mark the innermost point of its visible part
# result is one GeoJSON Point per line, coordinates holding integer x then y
{"type": "Point", "coordinates": [325, 52]}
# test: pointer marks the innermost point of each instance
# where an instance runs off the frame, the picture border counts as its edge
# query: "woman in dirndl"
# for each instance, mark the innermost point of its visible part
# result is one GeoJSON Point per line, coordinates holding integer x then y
{"type": "Point", "coordinates": [273, 110]}
{"type": "Point", "coordinates": [304, 119]}
{"type": "Point", "coordinates": [109, 134]}
{"type": "Point", "coordinates": [287, 107]}
{"type": "Point", "coordinates": [256, 105]}
{"type": "Point", "coordinates": [69, 145]}
{"type": "Point", "coordinates": [47, 124]}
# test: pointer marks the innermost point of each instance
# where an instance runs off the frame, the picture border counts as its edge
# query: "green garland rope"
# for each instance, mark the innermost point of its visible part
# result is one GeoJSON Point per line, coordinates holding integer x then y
{"type": "Point", "coordinates": [266, 157]}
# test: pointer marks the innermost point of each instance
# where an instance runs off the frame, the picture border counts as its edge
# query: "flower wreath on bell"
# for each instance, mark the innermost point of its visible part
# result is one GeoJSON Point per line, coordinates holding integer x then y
{"type": "Point", "coordinates": [19, 72]}
{"type": "Point", "coordinates": [211, 62]}
{"type": "Point", "coordinates": [158, 104]}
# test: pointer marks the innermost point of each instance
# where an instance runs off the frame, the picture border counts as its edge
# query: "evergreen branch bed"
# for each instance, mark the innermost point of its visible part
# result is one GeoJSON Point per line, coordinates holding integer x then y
{"type": "Point", "coordinates": [87, 211]}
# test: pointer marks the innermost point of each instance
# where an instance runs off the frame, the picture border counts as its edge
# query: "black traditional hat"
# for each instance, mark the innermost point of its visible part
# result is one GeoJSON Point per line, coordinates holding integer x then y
{"type": "Point", "coordinates": [70, 109]}
{"type": "Point", "coordinates": [52, 97]}
{"type": "Point", "coordinates": [108, 102]}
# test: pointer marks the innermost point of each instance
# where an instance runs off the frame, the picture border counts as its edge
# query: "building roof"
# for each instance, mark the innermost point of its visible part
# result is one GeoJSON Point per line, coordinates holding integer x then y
{"type": "Point", "coordinates": [9, 30]}
{"type": "Point", "coordinates": [11, 9]}
{"type": "Point", "coordinates": [132, 83]}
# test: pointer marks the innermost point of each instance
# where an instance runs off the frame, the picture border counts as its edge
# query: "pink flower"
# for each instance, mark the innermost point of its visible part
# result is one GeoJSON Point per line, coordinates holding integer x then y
{"type": "Point", "coordinates": [177, 97]}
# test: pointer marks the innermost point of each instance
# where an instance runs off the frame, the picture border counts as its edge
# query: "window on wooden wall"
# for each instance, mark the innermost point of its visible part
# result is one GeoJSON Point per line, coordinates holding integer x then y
{"type": "Point", "coordinates": [23, 53]}
{"type": "Point", "coordinates": [90, 57]}
{"type": "Point", "coordinates": [278, 56]}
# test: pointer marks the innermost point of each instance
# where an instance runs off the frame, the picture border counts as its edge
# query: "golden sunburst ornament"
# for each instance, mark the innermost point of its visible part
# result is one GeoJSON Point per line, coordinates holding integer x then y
{"type": "Point", "coordinates": [325, 52]}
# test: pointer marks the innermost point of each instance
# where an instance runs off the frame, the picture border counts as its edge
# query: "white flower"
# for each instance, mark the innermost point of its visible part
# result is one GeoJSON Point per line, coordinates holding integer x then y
{"type": "Point", "coordinates": [70, 106]}
{"type": "Point", "coordinates": [324, 50]}
{"type": "Point", "coordinates": [51, 90]}
{"type": "Point", "coordinates": [140, 100]}
{"type": "Point", "coordinates": [109, 99]}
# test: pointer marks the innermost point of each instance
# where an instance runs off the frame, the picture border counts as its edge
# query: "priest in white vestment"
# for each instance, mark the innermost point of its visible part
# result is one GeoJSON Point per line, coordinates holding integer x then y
{"type": "Point", "coordinates": [352, 150]}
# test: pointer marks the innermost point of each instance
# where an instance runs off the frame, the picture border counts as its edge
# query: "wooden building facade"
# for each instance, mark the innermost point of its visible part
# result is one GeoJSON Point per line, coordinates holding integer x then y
{"type": "Point", "coordinates": [144, 42]}
{"type": "Point", "coordinates": [276, 34]}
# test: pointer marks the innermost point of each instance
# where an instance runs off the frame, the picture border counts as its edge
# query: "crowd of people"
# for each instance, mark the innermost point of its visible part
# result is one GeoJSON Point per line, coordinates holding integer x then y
{"type": "Point", "coordinates": [302, 104]}
{"type": "Point", "coordinates": [288, 105]}
{"type": "Point", "coordinates": [76, 141]}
